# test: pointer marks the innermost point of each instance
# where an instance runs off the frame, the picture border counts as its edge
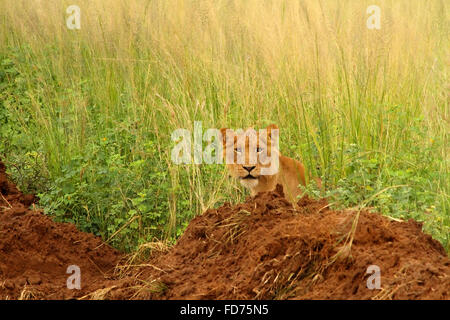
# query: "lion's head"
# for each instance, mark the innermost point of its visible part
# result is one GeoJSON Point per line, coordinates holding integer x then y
{"type": "Point", "coordinates": [250, 155]}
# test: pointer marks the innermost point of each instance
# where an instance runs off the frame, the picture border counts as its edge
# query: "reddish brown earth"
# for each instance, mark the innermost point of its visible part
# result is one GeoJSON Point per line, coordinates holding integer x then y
{"type": "Point", "coordinates": [264, 249]}
{"type": "Point", "coordinates": [261, 249]}
{"type": "Point", "coordinates": [35, 251]}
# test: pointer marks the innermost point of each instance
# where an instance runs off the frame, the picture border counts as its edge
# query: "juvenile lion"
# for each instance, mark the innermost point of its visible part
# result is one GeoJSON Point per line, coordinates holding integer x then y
{"type": "Point", "coordinates": [255, 160]}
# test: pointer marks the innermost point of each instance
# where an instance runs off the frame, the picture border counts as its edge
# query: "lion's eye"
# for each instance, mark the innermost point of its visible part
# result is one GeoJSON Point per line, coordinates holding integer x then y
{"type": "Point", "coordinates": [238, 150]}
{"type": "Point", "coordinates": [258, 150]}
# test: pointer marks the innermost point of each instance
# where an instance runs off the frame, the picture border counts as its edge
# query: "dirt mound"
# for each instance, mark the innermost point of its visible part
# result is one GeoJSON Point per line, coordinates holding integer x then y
{"type": "Point", "coordinates": [266, 249]}
{"type": "Point", "coordinates": [261, 249]}
{"type": "Point", "coordinates": [35, 252]}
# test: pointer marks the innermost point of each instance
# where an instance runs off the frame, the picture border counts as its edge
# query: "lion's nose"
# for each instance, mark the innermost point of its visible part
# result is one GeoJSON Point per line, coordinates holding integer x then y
{"type": "Point", "coordinates": [249, 169]}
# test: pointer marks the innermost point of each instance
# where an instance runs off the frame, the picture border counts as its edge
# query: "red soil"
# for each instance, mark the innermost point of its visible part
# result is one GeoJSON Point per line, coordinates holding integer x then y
{"type": "Point", "coordinates": [264, 249]}
{"type": "Point", "coordinates": [35, 251]}
{"type": "Point", "coordinates": [260, 249]}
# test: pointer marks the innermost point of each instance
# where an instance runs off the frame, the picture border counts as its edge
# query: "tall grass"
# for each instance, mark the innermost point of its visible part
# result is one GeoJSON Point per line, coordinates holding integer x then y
{"type": "Point", "coordinates": [88, 113]}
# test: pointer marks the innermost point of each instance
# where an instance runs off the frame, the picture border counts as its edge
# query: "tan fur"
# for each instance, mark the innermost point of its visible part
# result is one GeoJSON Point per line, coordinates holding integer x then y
{"type": "Point", "coordinates": [290, 173]}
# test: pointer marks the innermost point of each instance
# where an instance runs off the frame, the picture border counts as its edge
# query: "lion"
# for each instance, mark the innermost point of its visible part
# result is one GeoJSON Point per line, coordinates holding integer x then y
{"type": "Point", "coordinates": [262, 166]}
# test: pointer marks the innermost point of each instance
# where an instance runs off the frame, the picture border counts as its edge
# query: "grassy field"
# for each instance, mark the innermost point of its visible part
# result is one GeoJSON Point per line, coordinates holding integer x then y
{"type": "Point", "coordinates": [86, 115]}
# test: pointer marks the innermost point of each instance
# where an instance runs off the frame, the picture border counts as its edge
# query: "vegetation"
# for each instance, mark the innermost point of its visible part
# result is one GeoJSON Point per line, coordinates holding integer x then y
{"type": "Point", "coordinates": [86, 115]}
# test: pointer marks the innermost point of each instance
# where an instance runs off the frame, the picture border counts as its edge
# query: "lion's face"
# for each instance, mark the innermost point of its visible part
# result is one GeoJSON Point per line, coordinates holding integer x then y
{"type": "Point", "coordinates": [250, 154]}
